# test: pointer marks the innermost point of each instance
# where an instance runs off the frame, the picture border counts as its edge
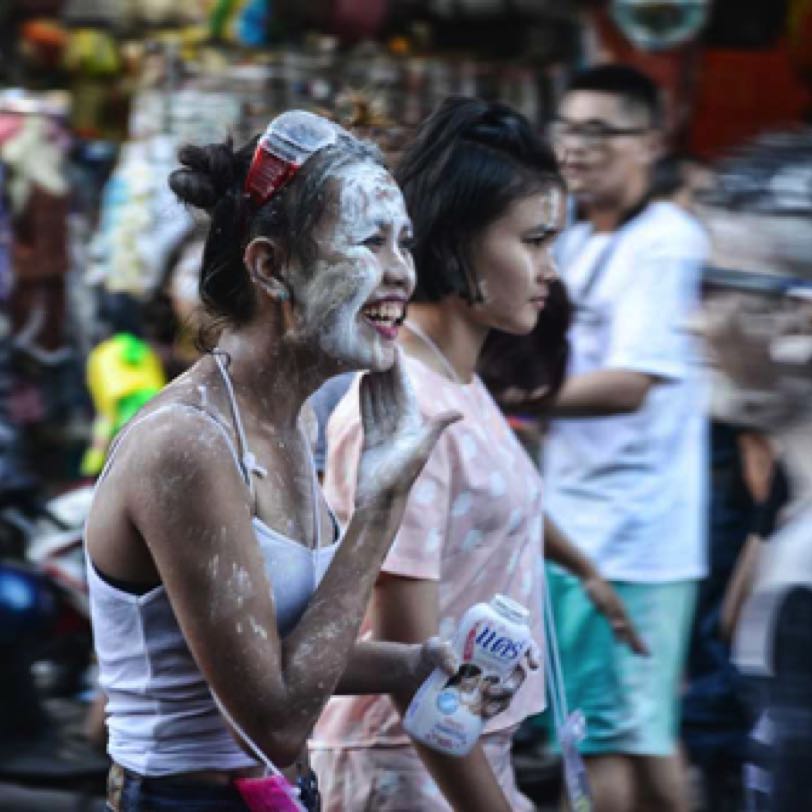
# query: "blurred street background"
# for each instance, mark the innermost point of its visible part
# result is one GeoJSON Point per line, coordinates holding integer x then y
{"type": "Point", "coordinates": [98, 268]}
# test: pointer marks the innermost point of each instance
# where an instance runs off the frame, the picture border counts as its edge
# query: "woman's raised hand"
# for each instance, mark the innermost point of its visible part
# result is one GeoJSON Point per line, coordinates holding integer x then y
{"type": "Point", "coordinates": [397, 438]}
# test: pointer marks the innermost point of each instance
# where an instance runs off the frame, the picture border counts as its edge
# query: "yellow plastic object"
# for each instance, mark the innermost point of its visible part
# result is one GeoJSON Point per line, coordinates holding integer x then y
{"type": "Point", "coordinates": [93, 52]}
{"type": "Point", "coordinates": [120, 368]}
{"type": "Point", "coordinates": [123, 373]}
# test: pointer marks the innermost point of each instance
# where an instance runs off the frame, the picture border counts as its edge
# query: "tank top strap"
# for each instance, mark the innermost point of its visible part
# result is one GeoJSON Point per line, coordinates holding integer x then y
{"type": "Point", "coordinates": [161, 410]}
{"type": "Point", "coordinates": [248, 460]}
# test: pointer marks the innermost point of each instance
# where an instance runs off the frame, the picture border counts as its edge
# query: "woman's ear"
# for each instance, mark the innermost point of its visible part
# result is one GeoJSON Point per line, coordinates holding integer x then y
{"type": "Point", "coordinates": [262, 259]}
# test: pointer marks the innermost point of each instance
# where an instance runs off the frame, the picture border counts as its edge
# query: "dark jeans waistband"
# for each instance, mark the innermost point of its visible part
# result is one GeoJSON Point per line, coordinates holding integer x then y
{"type": "Point", "coordinates": [130, 792]}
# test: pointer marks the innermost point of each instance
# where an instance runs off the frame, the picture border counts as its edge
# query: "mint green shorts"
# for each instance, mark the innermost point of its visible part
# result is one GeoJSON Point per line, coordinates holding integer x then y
{"type": "Point", "coordinates": [631, 703]}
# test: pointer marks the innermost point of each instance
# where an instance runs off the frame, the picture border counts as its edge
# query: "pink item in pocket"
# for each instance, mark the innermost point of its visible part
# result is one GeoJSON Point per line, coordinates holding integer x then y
{"type": "Point", "coordinates": [273, 793]}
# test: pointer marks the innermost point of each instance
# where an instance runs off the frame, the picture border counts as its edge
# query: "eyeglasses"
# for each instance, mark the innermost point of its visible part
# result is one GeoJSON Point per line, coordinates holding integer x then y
{"type": "Point", "coordinates": [592, 135]}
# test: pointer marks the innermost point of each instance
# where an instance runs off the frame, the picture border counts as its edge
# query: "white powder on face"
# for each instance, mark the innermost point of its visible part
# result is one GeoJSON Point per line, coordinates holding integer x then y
{"type": "Point", "coordinates": [369, 197]}
{"type": "Point", "coordinates": [349, 271]}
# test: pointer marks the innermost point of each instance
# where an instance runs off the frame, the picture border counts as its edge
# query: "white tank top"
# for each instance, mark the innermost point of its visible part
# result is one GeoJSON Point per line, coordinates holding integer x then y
{"type": "Point", "coordinates": [161, 717]}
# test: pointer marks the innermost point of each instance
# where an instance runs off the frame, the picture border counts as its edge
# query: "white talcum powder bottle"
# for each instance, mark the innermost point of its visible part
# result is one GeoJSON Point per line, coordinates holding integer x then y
{"type": "Point", "coordinates": [446, 712]}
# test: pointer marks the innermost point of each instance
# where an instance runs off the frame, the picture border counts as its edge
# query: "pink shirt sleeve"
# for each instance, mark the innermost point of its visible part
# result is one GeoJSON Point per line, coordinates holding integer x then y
{"type": "Point", "coordinates": [418, 546]}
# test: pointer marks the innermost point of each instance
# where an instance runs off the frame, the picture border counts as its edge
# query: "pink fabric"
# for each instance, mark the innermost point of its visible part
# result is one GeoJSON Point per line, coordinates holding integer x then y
{"type": "Point", "coordinates": [473, 522]}
{"type": "Point", "coordinates": [393, 779]}
{"type": "Point", "coordinates": [269, 794]}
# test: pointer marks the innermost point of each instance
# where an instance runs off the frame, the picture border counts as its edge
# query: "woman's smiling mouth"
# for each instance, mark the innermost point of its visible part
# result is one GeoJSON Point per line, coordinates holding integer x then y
{"type": "Point", "coordinates": [385, 316]}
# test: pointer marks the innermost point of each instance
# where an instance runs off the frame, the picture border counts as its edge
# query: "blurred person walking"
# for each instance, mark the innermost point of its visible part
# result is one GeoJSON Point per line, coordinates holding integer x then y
{"type": "Point", "coordinates": [757, 321]}
{"type": "Point", "coordinates": [626, 460]}
{"type": "Point", "coordinates": [746, 490]}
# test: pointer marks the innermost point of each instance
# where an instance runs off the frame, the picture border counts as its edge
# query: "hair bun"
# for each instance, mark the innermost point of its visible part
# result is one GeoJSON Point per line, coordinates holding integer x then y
{"type": "Point", "coordinates": [208, 174]}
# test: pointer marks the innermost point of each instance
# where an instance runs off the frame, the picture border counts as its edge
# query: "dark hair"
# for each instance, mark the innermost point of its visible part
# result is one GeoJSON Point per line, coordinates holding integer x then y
{"type": "Point", "coordinates": [631, 86]}
{"type": "Point", "coordinates": [212, 178]}
{"type": "Point", "coordinates": [469, 161]}
{"type": "Point", "coordinates": [538, 359]}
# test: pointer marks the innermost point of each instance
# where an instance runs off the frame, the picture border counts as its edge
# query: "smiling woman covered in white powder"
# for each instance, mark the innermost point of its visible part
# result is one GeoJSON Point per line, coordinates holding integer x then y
{"type": "Point", "coordinates": [219, 587]}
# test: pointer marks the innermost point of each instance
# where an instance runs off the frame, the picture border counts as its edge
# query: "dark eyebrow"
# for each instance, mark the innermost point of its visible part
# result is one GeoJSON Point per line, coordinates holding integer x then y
{"type": "Point", "coordinates": [380, 224]}
{"type": "Point", "coordinates": [590, 122]}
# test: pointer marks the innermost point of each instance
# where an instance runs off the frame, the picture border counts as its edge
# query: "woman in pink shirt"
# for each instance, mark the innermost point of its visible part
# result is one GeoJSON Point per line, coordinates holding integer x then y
{"type": "Point", "coordinates": [486, 201]}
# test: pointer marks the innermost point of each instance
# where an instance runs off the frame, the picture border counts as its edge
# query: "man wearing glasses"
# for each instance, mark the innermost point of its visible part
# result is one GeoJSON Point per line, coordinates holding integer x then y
{"type": "Point", "coordinates": [626, 456]}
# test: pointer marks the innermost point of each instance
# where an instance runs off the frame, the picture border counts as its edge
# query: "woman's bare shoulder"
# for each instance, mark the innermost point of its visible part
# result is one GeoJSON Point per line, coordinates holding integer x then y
{"type": "Point", "coordinates": [179, 428]}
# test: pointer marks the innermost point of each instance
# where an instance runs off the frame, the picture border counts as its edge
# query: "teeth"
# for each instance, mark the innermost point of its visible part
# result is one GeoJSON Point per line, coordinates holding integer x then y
{"type": "Point", "coordinates": [390, 312]}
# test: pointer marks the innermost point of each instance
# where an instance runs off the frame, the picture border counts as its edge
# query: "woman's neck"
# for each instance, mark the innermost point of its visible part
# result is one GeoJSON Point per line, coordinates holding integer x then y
{"type": "Point", "coordinates": [271, 379]}
{"type": "Point", "coordinates": [449, 327]}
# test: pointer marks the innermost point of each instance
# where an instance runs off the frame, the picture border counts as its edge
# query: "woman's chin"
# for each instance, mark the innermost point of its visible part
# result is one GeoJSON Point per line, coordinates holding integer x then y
{"type": "Point", "coordinates": [517, 328]}
{"type": "Point", "coordinates": [377, 358]}
{"type": "Point", "coordinates": [383, 361]}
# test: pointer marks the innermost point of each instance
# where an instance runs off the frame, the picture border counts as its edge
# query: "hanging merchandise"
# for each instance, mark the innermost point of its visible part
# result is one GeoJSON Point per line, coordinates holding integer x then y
{"type": "Point", "coordinates": [224, 18]}
{"type": "Point", "coordinates": [34, 154]}
{"type": "Point", "coordinates": [98, 105]}
{"type": "Point", "coordinates": [254, 23]}
{"type": "Point", "coordinates": [123, 373]}
{"type": "Point", "coordinates": [36, 188]}
{"type": "Point", "coordinates": [92, 52]}
{"type": "Point", "coordinates": [187, 115]}
{"type": "Point", "coordinates": [655, 25]}
{"type": "Point", "coordinates": [141, 221]}
{"type": "Point", "coordinates": [133, 14]}
{"type": "Point", "coordinates": [167, 12]}
{"type": "Point", "coordinates": [94, 14]}
{"type": "Point", "coordinates": [43, 43]}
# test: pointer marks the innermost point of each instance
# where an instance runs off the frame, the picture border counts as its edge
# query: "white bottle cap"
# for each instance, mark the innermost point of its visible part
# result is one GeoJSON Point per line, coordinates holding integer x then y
{"type": "Point", "coordinates": [295, 135]}
{"type": "Point", "coordinates": [290, 139]}
{"type": "Point", "coordinates": [509, 609]}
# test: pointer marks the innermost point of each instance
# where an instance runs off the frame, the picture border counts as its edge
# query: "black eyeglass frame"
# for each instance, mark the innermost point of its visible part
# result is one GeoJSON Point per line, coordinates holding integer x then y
{"type": "Point", "coordinates": [594, 133]}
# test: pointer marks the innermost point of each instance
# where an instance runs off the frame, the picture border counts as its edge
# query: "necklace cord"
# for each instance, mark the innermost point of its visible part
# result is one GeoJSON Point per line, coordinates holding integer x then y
{"type": "Point", "coordinates": [438, 353]}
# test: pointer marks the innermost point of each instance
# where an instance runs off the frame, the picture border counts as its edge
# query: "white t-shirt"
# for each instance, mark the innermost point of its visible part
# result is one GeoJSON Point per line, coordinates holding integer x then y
{"type": "Point", "coordinates": [631, 490]}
